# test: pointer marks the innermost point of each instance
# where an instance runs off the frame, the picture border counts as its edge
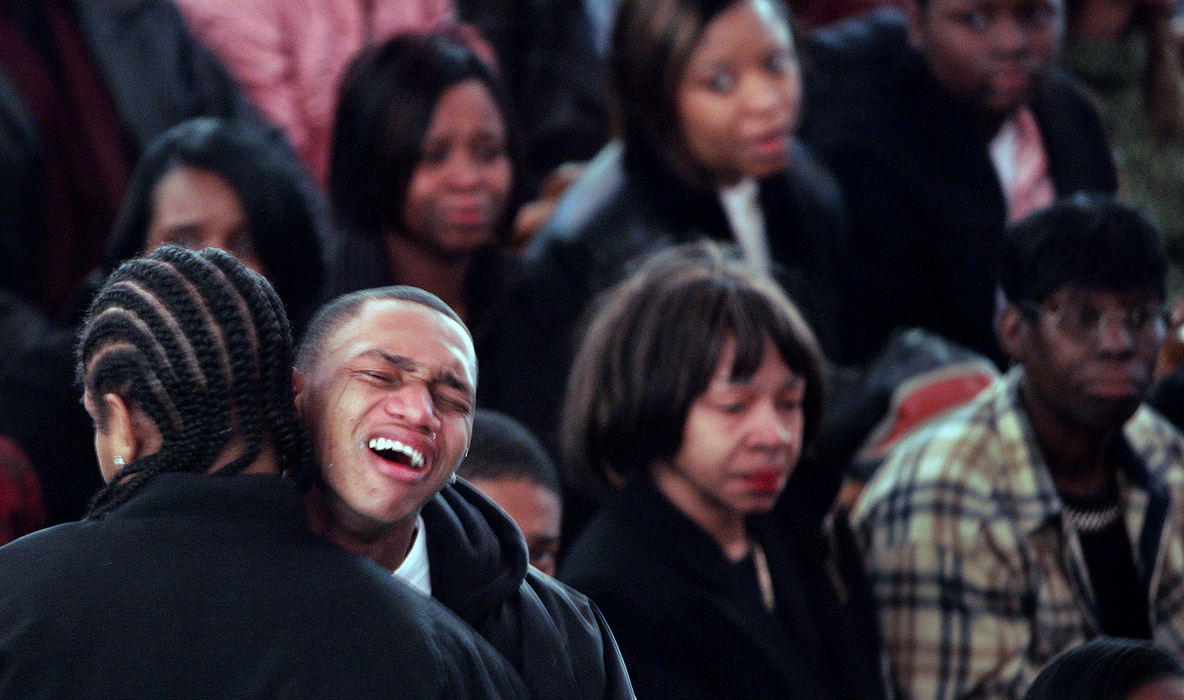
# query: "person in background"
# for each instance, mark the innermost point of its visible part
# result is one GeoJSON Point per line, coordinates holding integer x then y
{"type": "Point", "coordinates": [943, 126]}
{"type": "Point", "coordinates": [84, 87]}
{"type": "Point", "coordinates": [422, 178]}
{"type": "Point", "coordinates": [707, 97]}
{"type": "Point", "coordinates": [555, 77]}
{"type": "Point", "coordinates": [1124, 52]}
{"type": "Point", "coordinates": [194, 573]}
{"type": "Point", "coordinates": [510, 466]}
{"type": "Point", "coordinates": [1050, 509]}
{"type": "Point", "coordinates": [694, 397]}
{"type": "Point", "coordinates": [1108, 668]}
{"type": "Point", "coordinates": [234, 185]}
{"type": "Point", "coordinates": [289, 56]}
{"type": "Point", "coordinates": [386, 383]}
{"type": "Point", "coordinates": [207, 182]}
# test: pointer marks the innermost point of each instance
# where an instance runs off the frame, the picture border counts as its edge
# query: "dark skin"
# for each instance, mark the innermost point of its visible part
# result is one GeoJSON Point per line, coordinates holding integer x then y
{"type": "Point", "coordinates": [989, 54]}
{"type": "Point", "coordinates": [1079, 461]}
{"type": "Point", "coordinates": [1080, 392]}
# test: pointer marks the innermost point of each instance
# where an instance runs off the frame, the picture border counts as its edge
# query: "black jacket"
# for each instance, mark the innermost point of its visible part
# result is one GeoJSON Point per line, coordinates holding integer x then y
{"type": "Point", "coordinates": [624, 206]}
{"type": "Point", "coordinates": [203, 587]}
{"type": "Point", "coordinates": [689, 624]}
{"type": "Point", "coordinates": [553, 635]}
{"type": "Point", "coordinates": [926, 206]}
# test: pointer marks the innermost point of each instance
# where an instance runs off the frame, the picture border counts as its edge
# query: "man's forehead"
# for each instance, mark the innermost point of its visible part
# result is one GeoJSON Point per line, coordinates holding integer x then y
{"type": "Point", "coordinates": [405, 329]}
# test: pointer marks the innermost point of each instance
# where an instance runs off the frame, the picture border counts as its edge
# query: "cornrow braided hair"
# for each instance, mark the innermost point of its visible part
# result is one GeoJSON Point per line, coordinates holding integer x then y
{"type": "Point", "coordinates": [202, 345]}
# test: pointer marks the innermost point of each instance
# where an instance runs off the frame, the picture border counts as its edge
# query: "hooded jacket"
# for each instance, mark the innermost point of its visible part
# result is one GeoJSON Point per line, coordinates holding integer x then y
{"type": "Point", "coordinates": [553, 635]}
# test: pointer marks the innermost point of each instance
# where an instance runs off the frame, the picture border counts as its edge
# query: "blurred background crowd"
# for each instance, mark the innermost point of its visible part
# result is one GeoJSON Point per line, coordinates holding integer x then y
{"type": "Point", "coordinates": [861, 160]}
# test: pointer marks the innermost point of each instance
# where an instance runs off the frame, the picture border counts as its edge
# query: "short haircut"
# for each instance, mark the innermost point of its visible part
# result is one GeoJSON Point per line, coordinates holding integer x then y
{"type": "Point", "coordinates": [652, 349]}
{"type": "Point", "coordinates": [1104, 669]}
{"type": "Point", "coordinates": [333, 315]}
{"type": "Point", "coordinates": [201, 345]}
{"type": "Point", "coordinates": [385, 106]}
{"type": "Point", "coordinates": [286, 213]}
{"type": "Point", "coordinates": [504, 449]}
{"type": "Point", "coordinates": [1091, 240]}
{"type": "Point", "coordinates": [652, 42]}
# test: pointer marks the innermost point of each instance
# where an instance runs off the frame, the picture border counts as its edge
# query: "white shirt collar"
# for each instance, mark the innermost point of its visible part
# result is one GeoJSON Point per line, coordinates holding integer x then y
{"type": "Point", "coordinates": [742, 205]}
{"type": "Point", "coordinates": [415, 569]}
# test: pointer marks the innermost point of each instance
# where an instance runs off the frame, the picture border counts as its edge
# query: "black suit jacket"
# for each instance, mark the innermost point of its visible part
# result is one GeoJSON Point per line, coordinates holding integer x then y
{"type": "Point", "coordinates": [689, 628]}
{"type": "Point", "coordinates": [926, 206]}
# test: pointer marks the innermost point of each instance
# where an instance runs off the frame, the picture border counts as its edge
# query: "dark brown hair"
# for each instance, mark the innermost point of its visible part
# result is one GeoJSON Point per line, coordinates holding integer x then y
{"type": "Point", "coordinates": [385, 106]}
{"type": "Point", "coordinates": [653, 346]}
{"type": "Point", "coordinates": [652, 42]}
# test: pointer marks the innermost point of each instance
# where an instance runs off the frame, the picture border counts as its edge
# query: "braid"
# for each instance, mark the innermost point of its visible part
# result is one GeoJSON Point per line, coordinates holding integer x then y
{"type": "Point", "coordinates": [275, 395]}
{"type": "Point", "coordinates": [239, 352]}
{"type": "Point", "coordinates": [201, 345]}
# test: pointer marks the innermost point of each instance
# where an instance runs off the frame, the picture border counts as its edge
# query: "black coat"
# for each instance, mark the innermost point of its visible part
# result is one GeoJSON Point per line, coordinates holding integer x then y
{"type": "Point", "coordinates": [627, 205]}
{"type": "Point", "coordinates": [205, 587]}
{"type": "Point", "coordinates": [553, 635]}
{"type": "Point", "coordinates": [690, 627]}
{"type": "Point", "coordinates": [926, 206]}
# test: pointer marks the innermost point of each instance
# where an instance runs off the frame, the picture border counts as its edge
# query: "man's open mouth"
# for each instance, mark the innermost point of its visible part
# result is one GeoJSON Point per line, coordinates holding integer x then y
{"type": "Point", "coordinates": [397, 452]}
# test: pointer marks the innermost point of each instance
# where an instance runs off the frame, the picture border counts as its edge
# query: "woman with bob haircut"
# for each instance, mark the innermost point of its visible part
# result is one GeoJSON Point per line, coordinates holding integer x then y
{"type": "Point", "coordinates": [697, 390]}
{"type": "Point", "coordinates": [706, 100]}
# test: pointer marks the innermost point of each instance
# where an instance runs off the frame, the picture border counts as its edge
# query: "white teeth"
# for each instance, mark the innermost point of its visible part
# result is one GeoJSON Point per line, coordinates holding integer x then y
{"type": "Point", "coordinates": [385, 445]}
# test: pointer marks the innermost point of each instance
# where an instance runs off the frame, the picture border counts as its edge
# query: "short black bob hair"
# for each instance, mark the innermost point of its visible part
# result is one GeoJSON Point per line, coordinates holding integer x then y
{"type": "Point", "coordinates": [285, 212]}
{"type": "Point", "coordinates": [652, 348]}
{"type": "Point", "coordinates": [1091, 240]}
{"type": "Point", "coordinates": [385, 106]}
{"type": "Point", "coordinates": [1104, 669]}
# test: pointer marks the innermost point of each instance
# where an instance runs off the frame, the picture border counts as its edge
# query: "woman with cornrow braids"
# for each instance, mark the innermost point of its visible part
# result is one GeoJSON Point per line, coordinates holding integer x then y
{"type": "Point", "coordinates": [196, 555]}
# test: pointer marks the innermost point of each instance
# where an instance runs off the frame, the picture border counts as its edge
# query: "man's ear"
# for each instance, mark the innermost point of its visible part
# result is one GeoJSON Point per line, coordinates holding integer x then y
{"type": "Point", "coordinates": [915, 14]}
{"type": "Point", "coordinates": [121, 428]}
{"type": "Point", "coordinates": [298, 390]}
{"type": "Point", "coordinates": [1014, 331]}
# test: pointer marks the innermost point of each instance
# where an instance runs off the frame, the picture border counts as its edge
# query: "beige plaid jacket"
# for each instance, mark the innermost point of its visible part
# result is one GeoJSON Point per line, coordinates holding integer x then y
{"type": "Point", "coordinates": [980, 581]}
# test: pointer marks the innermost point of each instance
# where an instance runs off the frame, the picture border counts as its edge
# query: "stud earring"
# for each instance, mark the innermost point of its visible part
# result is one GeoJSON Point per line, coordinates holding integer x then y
{"type": "Point", "coordinates": [120, 462]}
{"type": "Point", "coordinates": [452, 478]}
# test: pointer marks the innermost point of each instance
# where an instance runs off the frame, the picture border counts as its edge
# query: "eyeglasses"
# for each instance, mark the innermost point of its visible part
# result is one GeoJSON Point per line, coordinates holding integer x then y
{"type": "Point", "coordinates": [1084, 322]}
